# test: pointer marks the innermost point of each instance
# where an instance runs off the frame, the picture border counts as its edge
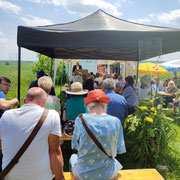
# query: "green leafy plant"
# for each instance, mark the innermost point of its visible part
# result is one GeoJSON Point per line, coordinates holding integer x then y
{"type": "Point", "coordinates": [44, 63]}
{"type": "Point", "coordinates": [148, 132]}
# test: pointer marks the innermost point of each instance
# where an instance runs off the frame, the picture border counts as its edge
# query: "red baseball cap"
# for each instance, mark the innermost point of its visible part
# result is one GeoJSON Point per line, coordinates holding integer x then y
{"type": "Point", "coordinates": [96, 95]}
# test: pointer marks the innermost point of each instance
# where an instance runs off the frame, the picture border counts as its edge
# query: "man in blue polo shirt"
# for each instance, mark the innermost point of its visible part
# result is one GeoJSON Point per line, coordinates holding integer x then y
{"type": "Point", "coordinates": [117, 105]}
{"type": "Point", "coordinates": [4, 103]}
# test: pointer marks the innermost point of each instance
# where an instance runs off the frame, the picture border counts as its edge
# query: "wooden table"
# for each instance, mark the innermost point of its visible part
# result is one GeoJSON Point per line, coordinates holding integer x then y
{"type": "Point", "coordinates": [65, 138]}
{"type": "Point", "coordinates": [132, 174]}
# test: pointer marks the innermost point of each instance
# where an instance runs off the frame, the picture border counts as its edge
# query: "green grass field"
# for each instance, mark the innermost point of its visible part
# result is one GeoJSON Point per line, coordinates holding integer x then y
{"type": "Point", "coordinates": [27, 76]}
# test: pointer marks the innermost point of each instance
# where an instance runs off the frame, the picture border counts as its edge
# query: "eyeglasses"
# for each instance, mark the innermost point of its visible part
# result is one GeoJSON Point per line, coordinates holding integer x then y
{"type": "Point", "coordinates": [8, 85]}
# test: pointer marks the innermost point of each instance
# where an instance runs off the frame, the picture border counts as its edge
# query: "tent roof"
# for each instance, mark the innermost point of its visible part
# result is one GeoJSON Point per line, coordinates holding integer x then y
{"type": "Point", "coordinates": [174, 63]}
{"type": "Point", "coordinates": [97, 36]}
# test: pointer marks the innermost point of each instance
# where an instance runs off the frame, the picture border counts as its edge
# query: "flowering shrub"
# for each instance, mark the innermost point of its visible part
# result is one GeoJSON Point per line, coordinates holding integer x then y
{"type": "Point", "coordinates": [147, 133]}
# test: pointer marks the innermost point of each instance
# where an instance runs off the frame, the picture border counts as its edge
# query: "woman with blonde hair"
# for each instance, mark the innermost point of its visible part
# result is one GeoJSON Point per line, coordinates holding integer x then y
{"type": "Point", "coordinates": [52, 102]}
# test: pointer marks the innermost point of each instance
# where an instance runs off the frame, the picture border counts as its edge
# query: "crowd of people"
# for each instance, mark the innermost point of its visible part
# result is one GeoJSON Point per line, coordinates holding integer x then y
{"type": "Point", "coordinates": [93, 114]}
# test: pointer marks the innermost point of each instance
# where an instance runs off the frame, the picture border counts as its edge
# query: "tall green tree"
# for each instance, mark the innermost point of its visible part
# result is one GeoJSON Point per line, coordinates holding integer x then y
{"type": "Point", "coordinates": [44, 63]}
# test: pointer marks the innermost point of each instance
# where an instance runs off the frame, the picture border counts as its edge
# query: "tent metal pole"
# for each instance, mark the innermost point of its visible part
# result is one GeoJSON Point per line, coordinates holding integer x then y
{"type": "Point", "coordinates": [62, 76]}
{"type": "Point", "coordinates": [137, 69]}
{"type": "Point", "coordinates": [51, 66]}
{"type": "Point", "coordinates": [19, 74]}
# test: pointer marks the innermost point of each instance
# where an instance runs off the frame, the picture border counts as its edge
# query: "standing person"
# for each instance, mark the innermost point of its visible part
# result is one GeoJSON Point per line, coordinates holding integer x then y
{"type": "Point", "coordinates": [91, 162]}
{"type": "Point", "coordinates": [5, 104]}
{"type": "Point", "coordinates": [117, 105]}
{"type": "Point", "coordinates": [35, 83]}
{"type": "Point", "coordinates": [43, 158]}
{"type": "Point", "coordinates": [130, 95]}
{"type": "Point", "coordinates": [77, 67]}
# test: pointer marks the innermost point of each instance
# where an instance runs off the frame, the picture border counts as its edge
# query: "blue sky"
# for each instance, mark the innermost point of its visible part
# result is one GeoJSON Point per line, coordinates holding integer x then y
{"type": "Point", "coordinates": [44, 12]}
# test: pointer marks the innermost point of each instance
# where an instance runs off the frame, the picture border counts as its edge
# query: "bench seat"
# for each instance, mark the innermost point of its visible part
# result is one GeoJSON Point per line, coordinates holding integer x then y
{"type": "Point", "coordinates": [65, 138]}
{"type": "Point", "coordinates": [132, 174]}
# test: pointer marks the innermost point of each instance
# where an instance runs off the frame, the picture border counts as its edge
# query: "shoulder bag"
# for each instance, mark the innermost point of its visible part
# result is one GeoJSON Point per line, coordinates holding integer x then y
{"type": "Point", "coordinates": [24, 146]}
{"type": "Point", "coordinates": [92, 136]}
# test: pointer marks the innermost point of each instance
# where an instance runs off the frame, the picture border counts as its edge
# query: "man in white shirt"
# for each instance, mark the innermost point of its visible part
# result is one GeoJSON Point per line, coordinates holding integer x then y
{"type": "Point", "coordinates": [43, 158]}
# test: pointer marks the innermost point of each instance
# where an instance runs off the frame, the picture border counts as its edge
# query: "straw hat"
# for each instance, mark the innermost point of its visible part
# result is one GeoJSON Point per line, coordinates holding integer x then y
{"type": "Point", "coordinates": [77, 89]}
{"type": "Point", "coordinates": [96, 95]}
{"type": "Point", "coordinates": [145, 79]}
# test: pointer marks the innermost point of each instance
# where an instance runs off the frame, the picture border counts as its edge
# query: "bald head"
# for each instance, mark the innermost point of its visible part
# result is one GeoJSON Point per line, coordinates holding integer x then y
{"type": "Point", "coordinates": [36, 95]}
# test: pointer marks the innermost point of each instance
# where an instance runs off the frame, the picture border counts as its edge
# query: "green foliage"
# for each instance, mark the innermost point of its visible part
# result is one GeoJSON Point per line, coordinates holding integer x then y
{"type": "Point", "coordinates": [148, 133]}
{"type": "Point", "coordinates": [7, 63]}
{"type": "Point", "coordinates": [11, 72]}
{"type": "Point", "coordinates": [44, 63]}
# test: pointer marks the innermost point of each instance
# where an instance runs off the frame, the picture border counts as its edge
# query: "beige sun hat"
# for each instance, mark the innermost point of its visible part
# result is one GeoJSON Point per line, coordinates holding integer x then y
{"type": "Point", "coordinates": [77, 89]}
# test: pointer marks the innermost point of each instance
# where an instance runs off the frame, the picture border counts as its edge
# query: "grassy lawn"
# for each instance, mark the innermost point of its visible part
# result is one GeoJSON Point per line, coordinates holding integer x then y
{"type": "Point", "coordinates": [10, 70]}
{"type": "Point", "coordinates": [27, 76]}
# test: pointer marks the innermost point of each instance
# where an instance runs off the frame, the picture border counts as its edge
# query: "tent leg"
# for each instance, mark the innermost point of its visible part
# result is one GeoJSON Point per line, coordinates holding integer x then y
{"type": "Point", "coordinates": [62, 76]}
{"type": "Point", "coordinates": [19, 74]}
{"type": "Point", "coordinates": [51, 66]}
{"type": "Point", "coordinates": [137, 68]}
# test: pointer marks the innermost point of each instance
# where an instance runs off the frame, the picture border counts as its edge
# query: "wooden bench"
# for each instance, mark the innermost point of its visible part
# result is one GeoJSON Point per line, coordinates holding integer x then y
{"type": "Point", "coordinates": [132, 174]}
{"type": "Point", "coordinates": [65, 138]}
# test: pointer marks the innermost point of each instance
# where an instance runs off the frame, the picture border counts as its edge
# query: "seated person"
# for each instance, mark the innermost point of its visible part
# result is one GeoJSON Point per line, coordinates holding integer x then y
{"type": "Point", "coordinates": [91, 162]}
{"type": "Point", "coordinates": [35, 83]}
{"type": "Point", "coordinates": [165, 84]}
{"type": "Point", "coordinates": [74, 105]}
{"type": "Point", "coordinates": [176, 81]}
{"type": "Point", "coordinates": [130, 95]}
{"type": "Point", "coordinates": [172, 89]}
{"type": "Point", "coordinates": [146, 88]}
{"type": "Point", "coordinates": [52, 102]}
{"type": "Point", "coordinates": [89, 84]}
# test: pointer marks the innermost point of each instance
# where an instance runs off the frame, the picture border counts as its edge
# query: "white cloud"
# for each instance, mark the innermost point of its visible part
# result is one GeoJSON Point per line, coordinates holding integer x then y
{"type": "Point", "coordinates": [3, 40]}
{"type": "Point", "coordinates": [36, 1]}
{"type": "Point", "coordinates": [8, 6]}
{"type": "Point", "coordinates": [36, 21]}
{"type": "Point", "coordinates": [1, 34]}
{"type": "Point", "coordinates": [172, 17]}
{"type": "Point", "coordinates": [141, 21]}
{"type": "Point", "coordinates": [85, 7]}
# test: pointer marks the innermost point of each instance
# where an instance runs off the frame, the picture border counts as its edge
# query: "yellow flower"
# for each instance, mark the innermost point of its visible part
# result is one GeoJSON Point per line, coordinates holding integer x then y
{"type": "Point", "coordinates": [149, 119]}
{"type": "Point", "coordinates": [143, 107]}
{"type": "Point", "coordinates": [154, 110]}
